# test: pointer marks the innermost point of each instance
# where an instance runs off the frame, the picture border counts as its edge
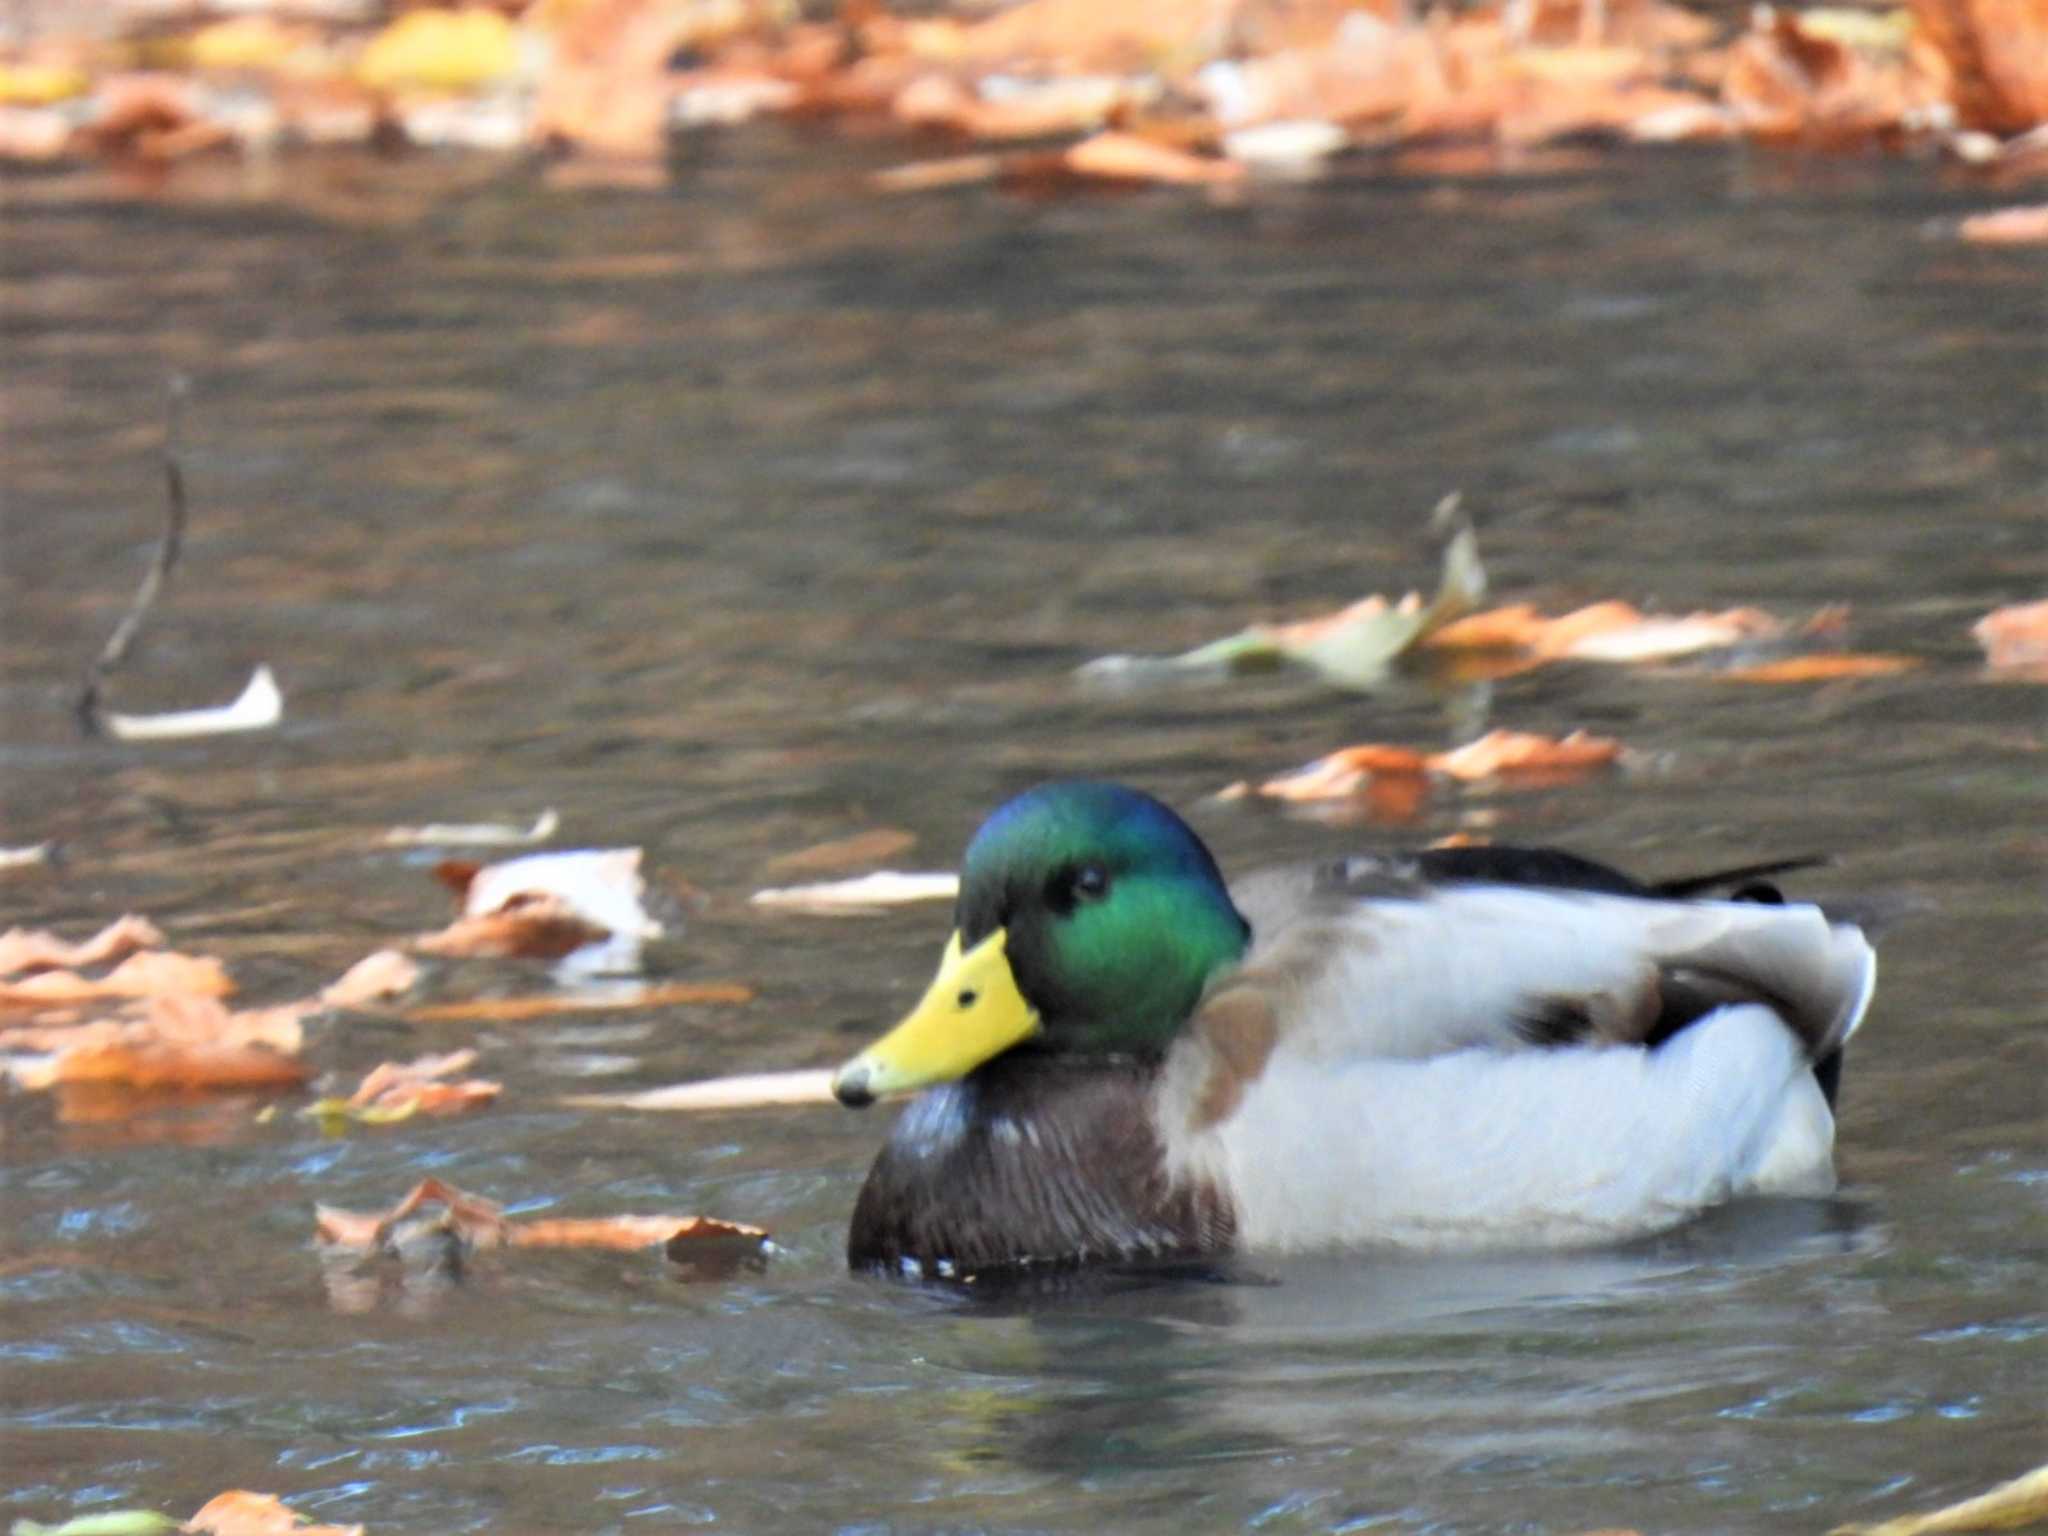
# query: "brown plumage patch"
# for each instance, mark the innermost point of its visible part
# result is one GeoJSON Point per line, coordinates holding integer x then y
{"type": "Point", "coordinates": [1240, 1030]}
{"type": "Point", "coordinates": [1034, 1160]}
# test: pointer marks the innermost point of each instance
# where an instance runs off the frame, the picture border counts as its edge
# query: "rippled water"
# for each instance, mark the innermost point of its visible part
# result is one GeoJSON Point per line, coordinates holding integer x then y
{"type": "Point", "coordinates": [762, 511]}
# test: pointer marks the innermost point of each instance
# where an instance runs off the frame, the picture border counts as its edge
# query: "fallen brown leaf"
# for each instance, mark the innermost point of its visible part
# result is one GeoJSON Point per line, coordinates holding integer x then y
{"type": "Point", "coordinates": [2027, 225]}
{"type": "Point", "coordinates": [546, 906]}
{"type": "Point", "coordinates": [146, 973]}
{"type": "Point", "coordinates": [1116, 156]}
{"type": "Point", "coordinates": [1609, 631]}
{"type": "Point", "coordinates": [482, 1223]}
{"type": "Point", "coordinates": [508, 1010]}
{"type": "Point", "coordinates": [1990, 57]}
{"type": "Point", "coordinates": [24, 950]}
{"type": "Point", "coordinates": [1824, 666]}
{"type": "Point", "coordinates": [877, 892]}
{"type": "Point", "coordinates": [376, 978]}
{"type": "Point", "coordinates": [394, 1091]}
{"type": "Point", "coordinates": [239, 1512]}
{"type": "Point", "coordinates": [166, 1041]}
{"type": "Point", "coordinates": [1498, 754]}
{"type": "Point", "coordinates": [2014, 636]}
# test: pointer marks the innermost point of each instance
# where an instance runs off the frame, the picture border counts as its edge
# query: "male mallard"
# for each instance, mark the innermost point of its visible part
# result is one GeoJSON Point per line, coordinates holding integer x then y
{"type": "Point", "coordinates": [1123, 1059]}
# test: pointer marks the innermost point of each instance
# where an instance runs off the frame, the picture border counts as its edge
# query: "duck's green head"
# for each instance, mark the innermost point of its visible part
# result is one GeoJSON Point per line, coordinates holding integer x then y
{"type": "Point", "coordinates": [1090, 919]}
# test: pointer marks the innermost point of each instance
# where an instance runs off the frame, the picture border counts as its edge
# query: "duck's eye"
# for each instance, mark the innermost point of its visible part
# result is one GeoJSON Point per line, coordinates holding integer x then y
{"type": "Point", "coordinates": [1075, 884]}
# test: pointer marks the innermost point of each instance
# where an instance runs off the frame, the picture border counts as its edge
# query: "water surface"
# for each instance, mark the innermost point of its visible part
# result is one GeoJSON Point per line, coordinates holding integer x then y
{"type": "Point", "coordinates": [763, 511]}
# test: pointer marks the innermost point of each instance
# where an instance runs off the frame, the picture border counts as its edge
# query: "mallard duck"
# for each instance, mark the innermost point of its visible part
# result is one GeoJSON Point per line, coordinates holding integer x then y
{"type": "Point", "coordinates": [1122, 1058]}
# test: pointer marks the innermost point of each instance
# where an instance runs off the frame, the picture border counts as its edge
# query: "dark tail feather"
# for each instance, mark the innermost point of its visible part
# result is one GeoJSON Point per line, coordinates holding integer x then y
{"type": "Point", "coordinates": [1745, 875]}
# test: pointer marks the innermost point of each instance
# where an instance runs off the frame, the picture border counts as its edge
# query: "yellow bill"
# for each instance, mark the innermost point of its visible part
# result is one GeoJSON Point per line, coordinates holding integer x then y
{"type": "Point", "coordinates": [971, 1012]}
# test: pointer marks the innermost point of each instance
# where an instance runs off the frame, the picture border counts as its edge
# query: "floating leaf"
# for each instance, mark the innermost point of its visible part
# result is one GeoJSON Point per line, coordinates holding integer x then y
{"type": "Point", "coordinates": [869, 893]}
{"type": "Point", "coordinates": [27, 857]}
{"type": "Point", "coordinates": [1498, 754]}
{"type": "Point", "coordinates": [506, 1010]}
{"type": "Point", "coordinates": [376, 978]}
{"type": "Point", "coordinates": [2027, 225]}
{"type": "Point", "coordinates": [1353, 647]}
{"type": "Point", "coordinates": [1611, 631]}
{"type": "Point", "coordinates": [113, 1522]}
{"type": "Point", "coordinates": [2010, 1506]}
{"type": "Point", "coordinates": [393, 1091]}
{"type": "Point", "coordinates": [260, 706]}
{"type": "Point", "coordinates": [146, 973]}
{"type": "Point", "coordinates": [2015, 637]}
{"type": "Point", "coordinates": [549, 905]}
{"type": "Point", "coordinates": [242, 1513]}
{"type": "Point", "coordinates": [481, 1223]}
{"type": "Point", "coordinates": [25, 950]}
{"type": "Point", "coordinates": [164, 1042]}
{"type": "Point", "coordinates": [1821, 667]}
{"type": "Point", "coordinates": [474, 833]}
{"type": "Point", "coordinates": [753, 1090]}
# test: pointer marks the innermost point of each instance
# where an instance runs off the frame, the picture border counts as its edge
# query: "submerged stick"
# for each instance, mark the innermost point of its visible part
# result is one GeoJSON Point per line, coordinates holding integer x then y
{"type": "Point", "coordinates": [115, 651]}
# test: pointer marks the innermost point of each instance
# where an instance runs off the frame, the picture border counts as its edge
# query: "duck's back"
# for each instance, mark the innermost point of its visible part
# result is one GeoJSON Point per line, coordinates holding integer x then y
{"type": "Point", "coordinates": [1469, 1064]}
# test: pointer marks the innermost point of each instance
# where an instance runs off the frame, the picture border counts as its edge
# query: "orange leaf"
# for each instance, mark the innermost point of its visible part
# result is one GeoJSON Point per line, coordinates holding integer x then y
{"type": "Point", "coordinates": [1823, 666]}
{"type": "Point", "coordinates": [1376, 768]}
{"type": "Point", "coordinates": [2025, 225]}
{"type": "Point", "coordinates": [1607, 631]}
{"type": "Point", "coordinates": [23, 950]}
{"type": "Point", "coordinates": [512, 1009]}
{"type": "Point", "coordinates": [375, 978]}
{"type": "Point", "coordinates": [166, 1042]}
{"type": "Point", "coordinates": [1115, 156]}
{"type": "Point", "coordinates": [477, 1221]}
{"type": "Point", "coordinates": [1520, 752]}
{"type": "Point", "coordinates": [482, 1223]}
{"type": "Point", "coordinates": [542, 928]}
{"type": "Point", "coordinates": [2015, 636]}
{"type": "Point", "coordinates": [626, 1232]}
{"type": "Point", "coordinates": [147, 973]}
{"type": "Point", "coordinates": [396, 1089]}
{"type": "Point", "coordinates": [242, 1513]}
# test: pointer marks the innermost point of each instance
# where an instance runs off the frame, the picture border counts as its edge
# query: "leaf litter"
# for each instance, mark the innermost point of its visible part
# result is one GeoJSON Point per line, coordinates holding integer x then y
{"type": "Point", "coordinates": [582, 906]}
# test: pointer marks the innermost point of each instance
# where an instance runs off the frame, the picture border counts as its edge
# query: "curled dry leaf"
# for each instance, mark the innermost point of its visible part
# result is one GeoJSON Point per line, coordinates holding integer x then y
{"type": "Point", "coordinates": [27, 857]}
{"type": "Point", "coordinates": [869, 893]}
{"type": "Point", "coordinates": [2015, 637]}
{"type": "Point", "coordinates": [23, 949]}
{"type": "Point", "coordinates": [1498, 754]}
{"type": "Point", "coordinates": [146, 973]}
{"type": "Point", "coordinates": [1353, 647]}
{"type": "Point", "coordinates": [260, 706]}
{"type": "Point", "coordinates": [1118, 156]}
{"type": "Point", "coordinates": [376, 978]}
{"type": "Point", "coordinates": [163, 1042]}
{"type": "Point", "coordinates": [1611, 631]}
{"type": "Point", "coordinates": [239, 1512]}
{"type": "Point", "coordinates": [394, 1091]}
{"type": "Point", "coordinates": [548, 905]}
{"type": "Point", "coordinates": [481, 1223]}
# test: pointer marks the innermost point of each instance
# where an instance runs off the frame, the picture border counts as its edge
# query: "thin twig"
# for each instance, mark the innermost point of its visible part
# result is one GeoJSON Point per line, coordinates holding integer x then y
{"type": "Point", "coordinates": [115, 651]}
